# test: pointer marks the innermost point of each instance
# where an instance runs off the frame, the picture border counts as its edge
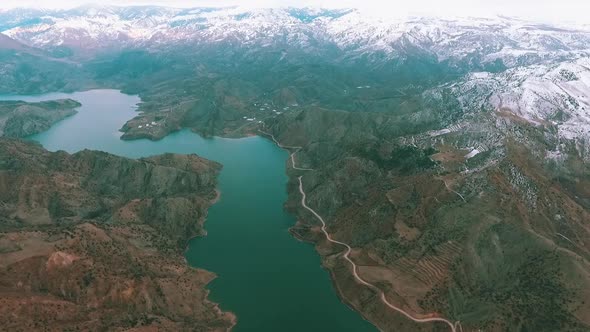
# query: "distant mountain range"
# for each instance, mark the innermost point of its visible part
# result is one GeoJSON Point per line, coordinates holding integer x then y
{"type": "Point", "coordinates": [538, 71]}
{"type": "Point", "coordinates": [346, 34]}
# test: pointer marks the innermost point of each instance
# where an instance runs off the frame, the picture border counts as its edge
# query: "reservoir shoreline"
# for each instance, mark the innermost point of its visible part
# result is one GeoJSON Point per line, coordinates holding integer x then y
{"type": "Point", "coordinates": [285, 278]}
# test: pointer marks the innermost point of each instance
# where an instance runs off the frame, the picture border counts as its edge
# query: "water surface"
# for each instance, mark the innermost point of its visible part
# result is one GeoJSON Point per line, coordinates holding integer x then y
{"type": "Point", "coordinates": [271, 281]}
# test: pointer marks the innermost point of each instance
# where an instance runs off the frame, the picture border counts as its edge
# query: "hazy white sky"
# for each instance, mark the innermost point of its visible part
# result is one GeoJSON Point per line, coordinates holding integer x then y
{"type": "Point", "coordinates": [546, 10]}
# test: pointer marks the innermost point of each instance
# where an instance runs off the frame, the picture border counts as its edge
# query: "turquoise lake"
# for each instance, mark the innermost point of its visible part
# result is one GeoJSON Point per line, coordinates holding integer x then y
{"type": "Point", "coordinates": [271, 281]}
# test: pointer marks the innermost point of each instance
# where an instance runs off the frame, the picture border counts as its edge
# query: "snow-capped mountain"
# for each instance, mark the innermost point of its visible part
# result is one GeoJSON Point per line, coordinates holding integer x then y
{"type": "Point", "coordinates": [537, 72]}
{"type": "Point", "coordinates": [552, 98]}
{"type": "Point", "coordinates": [355, 35]}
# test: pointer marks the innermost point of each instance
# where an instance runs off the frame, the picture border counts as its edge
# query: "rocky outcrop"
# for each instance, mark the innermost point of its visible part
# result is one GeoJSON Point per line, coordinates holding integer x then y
{"type": "Point", "coordinates": [21, 119]}
{"type": "Point", "coordinates": [92, 241]}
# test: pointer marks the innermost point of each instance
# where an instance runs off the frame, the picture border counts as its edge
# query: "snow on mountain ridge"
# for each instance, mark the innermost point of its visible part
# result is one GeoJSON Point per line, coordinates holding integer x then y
{"type": "Point", "coordinates": [547, 80]}
{"type": "Point", "coordinates": [351, 31]}
{"type": "Point", "coordinates": [547, 95]}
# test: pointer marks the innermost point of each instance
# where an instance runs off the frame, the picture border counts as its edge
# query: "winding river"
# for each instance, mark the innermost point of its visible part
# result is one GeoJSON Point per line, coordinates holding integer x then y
{"type": "Point", "coordinates": [271, 281]}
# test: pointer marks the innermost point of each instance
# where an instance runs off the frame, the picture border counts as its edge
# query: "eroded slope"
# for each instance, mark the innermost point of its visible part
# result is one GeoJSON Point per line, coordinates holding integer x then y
{"type": "Point", "coordinates": [92, 241]}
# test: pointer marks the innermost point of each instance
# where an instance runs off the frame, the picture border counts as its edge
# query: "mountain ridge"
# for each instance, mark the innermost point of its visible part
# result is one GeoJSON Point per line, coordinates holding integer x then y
{"type": "Point", "coordinates": [350, 31]}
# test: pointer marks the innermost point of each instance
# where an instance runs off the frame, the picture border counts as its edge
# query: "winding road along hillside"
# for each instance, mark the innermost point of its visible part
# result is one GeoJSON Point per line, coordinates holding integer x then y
{"type": "Point", "coordinates": [452, 326]}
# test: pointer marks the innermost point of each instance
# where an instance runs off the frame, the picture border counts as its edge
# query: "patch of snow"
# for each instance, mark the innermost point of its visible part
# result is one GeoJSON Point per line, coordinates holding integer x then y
{"type": "Point", "coordinates": [439, 132]}
{"type": "Point", "coordinates": [472, 154]}
{"type": "Point", "coordinates": [555, 155]}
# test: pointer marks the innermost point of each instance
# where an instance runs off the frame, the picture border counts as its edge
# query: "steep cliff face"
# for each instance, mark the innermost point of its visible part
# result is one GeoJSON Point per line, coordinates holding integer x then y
{"type": "Point", "coordinates": [93, 241]}
{"type": "Point", "coordinates": [21, 119]}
